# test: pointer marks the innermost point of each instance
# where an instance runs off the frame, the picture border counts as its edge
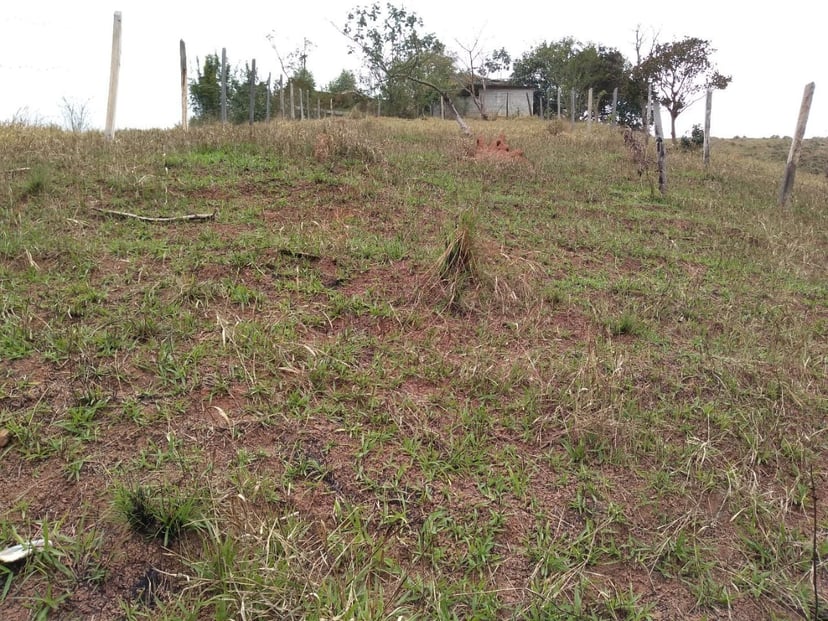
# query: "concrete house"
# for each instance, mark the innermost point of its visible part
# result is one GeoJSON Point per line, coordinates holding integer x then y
{"type": "Point", "coordinates": [500, 98]}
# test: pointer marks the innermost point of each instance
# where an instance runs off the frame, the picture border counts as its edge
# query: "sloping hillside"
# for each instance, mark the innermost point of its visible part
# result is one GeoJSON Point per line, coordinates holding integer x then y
{"type": "Point", "coordinates": [371, 373]}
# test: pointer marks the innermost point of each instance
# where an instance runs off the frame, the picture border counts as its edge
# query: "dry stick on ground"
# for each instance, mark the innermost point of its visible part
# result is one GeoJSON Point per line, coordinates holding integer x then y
{"type": "Point", "coordinates": [125, 214]}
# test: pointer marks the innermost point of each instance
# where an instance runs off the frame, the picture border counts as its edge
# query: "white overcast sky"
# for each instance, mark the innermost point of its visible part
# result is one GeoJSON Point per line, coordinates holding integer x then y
{"type": "Point", "coordinates": [53, 49]}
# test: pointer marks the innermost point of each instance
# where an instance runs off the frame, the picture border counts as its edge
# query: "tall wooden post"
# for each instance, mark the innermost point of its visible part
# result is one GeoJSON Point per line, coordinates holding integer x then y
{"type": "Point", "coordinates": [442, 108]}
{"type": "Point", "coordinates": [292, 102]}
{"type": "Point", "coordinates": [282, 96]}
{"type": "Point", "coordinates": [114, 69]}
{"type": "Point", "coordinates": [183, 53]}
{"type": "Point", "coordinates": [252, 91]}
{"type": "Point", "coordinates": [559, 103]}
{"type": "Point", "coordinates": [796, 146]}
{"type": "Point", "coordinates": [707, 112]}
{"type": "Point", "coordinates": [615, 106]}
{"type": "Point", "coordinates": [331, 107]}
{"type": "Point", "coordinates": [379, 106]}
{"type": "Point", "coordinates": [507, 104]}
{"type": "Point", "coordinates": [318, 108]}
{"type": "Point", "coordinates": [267, 101]}
{"type": "Point", "coordinates": [572, 108]}
{"type": "Point", "coordinates": [660, 149]}
{"type": "Point", "coordinates": [301, 104]}
{"type": "Point", "coordinates": [223, 85]}
{"type": "Point", "coordinates": [589, 109]}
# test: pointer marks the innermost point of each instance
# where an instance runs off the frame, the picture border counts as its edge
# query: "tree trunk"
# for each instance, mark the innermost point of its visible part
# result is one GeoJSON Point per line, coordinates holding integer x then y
{"type": "Point", "coordinates": [673, 126]}
{"type": "Point", "coordinates": [463, 125]}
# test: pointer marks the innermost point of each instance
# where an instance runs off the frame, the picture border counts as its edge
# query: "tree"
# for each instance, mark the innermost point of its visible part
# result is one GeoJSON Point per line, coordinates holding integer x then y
{"type": "Point", "coordinates": [205, 91]}
{"type": "Point", "coordinates": [477, 67]}
{"type": "Point", "coordinates": [75, 114]}
{"type": "Point", "coordinates": [345, 82]}
{"type": "Point", "coordinates": [679, 71]}
{"type": "Point", "coordinates": [238, 97]}
{"type": "Point", "coordinates": [412, 68]}
{"type": "Point", "coordinates": [569, 64]}
{"type": "Point", "coordinates": [205, 94]}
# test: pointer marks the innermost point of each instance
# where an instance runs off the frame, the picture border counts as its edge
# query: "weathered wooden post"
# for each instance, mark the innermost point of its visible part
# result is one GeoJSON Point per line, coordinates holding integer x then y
{"type": "Point", "coordinates": [267, 101]}
{"type": "Point", "coordinates": [292, 102]}
{"type": "Point", "coordinates": [318, 108]}
{"type": "Point", "coordinates": [223, 85]}
{"type": "Point", "coordinates": [796, 146]}
{"type": "Point", "coordinates": [660, 149]}
{"type": "Point", "coordinates": [282, 96]}
{"type": "Point", "coordinates": [252, 91]}
{"type": "Point", "coordinates": [183, 53]}
{"type": "Point", "coordinates": [301, 104]}
{"type": "Point", "coordinates": [379, 109]}
{"type": "Point", "coordinates": [572, 108]}
{"type": "Point", "coordinates": [559, 103]}
{"type": "Point", "coordinates": [442, 108]}
{"type": "Point", "coordinates": [331, 107]}
{"type": "Point", "coordinates": [707, 112]}
{"type": "Point", "coordinates": [114, 69]}
{"type": "Point", "coordinates": [589, 109]}
{"type": "Point", "coordinates": [507, 104]}
{"type": "Point", "coordinates": [615, 106]}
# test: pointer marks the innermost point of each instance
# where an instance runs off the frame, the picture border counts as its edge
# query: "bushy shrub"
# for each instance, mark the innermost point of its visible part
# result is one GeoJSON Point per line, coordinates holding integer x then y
{"type": "Point", "coordinates": [695, 140]}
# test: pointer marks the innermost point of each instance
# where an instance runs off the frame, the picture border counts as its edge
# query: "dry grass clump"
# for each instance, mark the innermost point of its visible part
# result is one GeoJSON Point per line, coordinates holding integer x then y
{"type": "Point", "coordinates": [340, 140]}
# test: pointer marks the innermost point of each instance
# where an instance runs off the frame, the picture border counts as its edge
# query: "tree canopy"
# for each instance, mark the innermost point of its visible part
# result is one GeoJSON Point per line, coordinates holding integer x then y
{"type": "Point", "coordinates": [205, 93]}
{"type": "Point", "coordinates": [569, 64]}
{"type": "Point", "coordinates": [679, 71]}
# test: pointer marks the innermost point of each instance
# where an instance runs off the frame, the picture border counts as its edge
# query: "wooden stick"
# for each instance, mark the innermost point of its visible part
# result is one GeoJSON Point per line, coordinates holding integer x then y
{"type": "Point", "coordinates": [125, 214]}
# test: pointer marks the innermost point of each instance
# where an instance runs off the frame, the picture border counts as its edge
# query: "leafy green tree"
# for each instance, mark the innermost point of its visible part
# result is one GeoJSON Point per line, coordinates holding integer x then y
{"type": "Point", "coordinates": [679, 71]}
{"type": "Point", "coordinates": [345, 82]}
{"type": "Point", "coordinates": [569, 64]}
{"type": "Point", "coordinates": [205, 91]}
{"type": "Point", "coordinates": [238, 97]}
{"type": "Point", "coordinates": [205, 94]}
{"type": "Point", "coordinates": [411, 68]}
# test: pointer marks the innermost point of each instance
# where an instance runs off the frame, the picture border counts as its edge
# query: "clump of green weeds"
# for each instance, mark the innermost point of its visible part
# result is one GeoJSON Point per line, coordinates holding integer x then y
{"type": "Point", "coordinates": [163, 511]}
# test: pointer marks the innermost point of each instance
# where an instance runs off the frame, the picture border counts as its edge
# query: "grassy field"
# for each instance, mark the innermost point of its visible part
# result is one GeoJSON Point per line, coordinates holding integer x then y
{"type": "Point", "coordinates": [388, 379]}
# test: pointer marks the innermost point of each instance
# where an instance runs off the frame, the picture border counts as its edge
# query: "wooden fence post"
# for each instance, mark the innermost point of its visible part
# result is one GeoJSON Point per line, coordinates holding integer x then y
{"type": "Point", "coordinates": [589, 109]}
{"type": "Point", "coordinates": [707, 112]}
{"type": "Point", "coordinates": [615, 106]}
{"type": "Point", "coordinates": [281, 96]}
{"type": "Point", "coordinates": [267, 101]}
{"type": "Point", "coordinates": [114, 69]}
{"type": "Point", "coordinates": [183, 54]}
{"type": "Point", "coordinates": [252, 91]}
{"type": "Point", "coordinates": [559, 103]}
{"type": "Point", "coordinates": [223, 85]}
{"type": "Point", "coordinates": [572, 108]}
{"type": "Point", "coordinates": [507, 104]}
{"type": "Point", "coordinates": [301, 104]}
{"type": "Point", "coordinates": [660, 149]}
{"type": "Point", "coordinates": [292, 102]}
{"type": "Point", "coordinates": [318, 108]}
{"type": "Point", "coordinates": [331, 107]}
{"type": "Point", "coordinates": [796, 146]}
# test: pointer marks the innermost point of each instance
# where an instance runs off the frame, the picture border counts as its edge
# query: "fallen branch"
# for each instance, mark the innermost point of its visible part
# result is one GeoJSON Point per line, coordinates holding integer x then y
{"type": "Point", "coordinates": [15, 170]}
{"type": "Point", "coordinates": [126, 214]}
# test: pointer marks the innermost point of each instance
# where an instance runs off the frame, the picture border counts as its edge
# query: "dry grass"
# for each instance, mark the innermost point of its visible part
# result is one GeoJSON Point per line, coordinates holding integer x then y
{"type": "Point", "coordinates": [276, 414]}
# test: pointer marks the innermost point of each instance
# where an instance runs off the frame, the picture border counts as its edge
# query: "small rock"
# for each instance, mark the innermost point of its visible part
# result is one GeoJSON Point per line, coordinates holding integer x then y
{"type": "Point", "coordinates": [4, 437]}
